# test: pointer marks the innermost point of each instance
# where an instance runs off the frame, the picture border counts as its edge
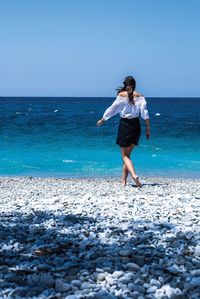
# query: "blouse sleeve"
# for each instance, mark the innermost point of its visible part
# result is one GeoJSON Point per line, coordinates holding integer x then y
{"type": "Point", "coordinates": [115, 108]}
{"type": "Point", "coordinates": [143, 109]}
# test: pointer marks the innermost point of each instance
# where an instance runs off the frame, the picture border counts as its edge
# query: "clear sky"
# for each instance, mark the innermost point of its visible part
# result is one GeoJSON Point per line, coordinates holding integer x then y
{"type": "Point", "coordinates": [87, 47]}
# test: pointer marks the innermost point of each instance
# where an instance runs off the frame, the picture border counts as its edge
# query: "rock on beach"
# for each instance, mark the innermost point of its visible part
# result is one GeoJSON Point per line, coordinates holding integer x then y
{"type": "Point", "coordinates": [93, 238]}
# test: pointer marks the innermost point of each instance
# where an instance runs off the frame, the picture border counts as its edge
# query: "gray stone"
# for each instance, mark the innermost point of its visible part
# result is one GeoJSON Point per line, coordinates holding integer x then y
{"type": "Point", "coordinates": [76, 283]}
{"type": "Point", "coordinates": [34, 291]}
{"type": "Point", "coordinates": [154, 282]}
{"type": "Point", "coordinates": [87, 285]}
{"type": "Point", "coordinates": [4, 269]}
{"type": "Point", "coordinates": [195, 272]}
{"type": "Point", "coordinates": [167, 291]}
{"type": "Point", "coordinates": [43, 267]}
{"type": "Point", "coordinates": [146, 285]}
{"type": "Point", "coordinates": [118, 293]}
{"type": "Point", "coordinates": [196, 262]}
{"type": "Point", "coordinates": [197, 250]}
{"type": "Point", "coordinates": [61, 286]}
{"type": "Point", "coordinates": [151, 289]}
{"type": "Point", "coordinates": [130, 275]}
{"type": "Point", "coordinates": [140, 289]}
{"type": "Point", "coordinates": [19, 292]}
{"type": "Point", "coordinates": [195, 282]}
{"type": "Point", "coordinates": [117, 274]}
{"type": "Point", "coordinates": [45, 280]}
{"type": "Point", "coordinates": [125, 252]}
{"type": "Point", "coordinates": [132, 267]}
{"type": "Point", "coordinates": [13, 277]}
{"type": "Point", "coordinates": [111, 281]}
{"type": "Point", "coordinates": [124, 280]}
{"type": "Point", "coordinates": [135, 295]}
{"type": "Point", "coordinates": [101, 276]}
{"type": "Point", "coordinates": [173, 269]}
{"type": "Point", "coordinates": [131, 286]}
{"type": "Point", "coordinates": [34, 229]}
{"type": "Point", "coordinates": [105, 295]}
{"type": "Point", "coordinates": [85, 291]}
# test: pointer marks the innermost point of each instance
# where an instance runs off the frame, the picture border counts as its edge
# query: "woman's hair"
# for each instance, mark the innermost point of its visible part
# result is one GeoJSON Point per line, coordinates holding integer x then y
{"type": "Point", "coordinates": [128, 82]}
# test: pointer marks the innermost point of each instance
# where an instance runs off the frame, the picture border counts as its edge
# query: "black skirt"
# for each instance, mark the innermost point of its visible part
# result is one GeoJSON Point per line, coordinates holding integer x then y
{"type": "Point", "coordinates": [129, 131]}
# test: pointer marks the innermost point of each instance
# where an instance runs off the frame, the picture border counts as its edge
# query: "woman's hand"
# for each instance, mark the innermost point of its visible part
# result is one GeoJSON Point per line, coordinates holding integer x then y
{"type": "Point", "coordinates": [147, 132]}
{"type": "Point", "coordinates": [100, 122]}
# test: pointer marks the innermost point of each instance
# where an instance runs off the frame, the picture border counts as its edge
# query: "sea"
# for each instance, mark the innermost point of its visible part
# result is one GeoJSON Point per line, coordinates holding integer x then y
{"type": "Point", "coordinates": [58, 137]}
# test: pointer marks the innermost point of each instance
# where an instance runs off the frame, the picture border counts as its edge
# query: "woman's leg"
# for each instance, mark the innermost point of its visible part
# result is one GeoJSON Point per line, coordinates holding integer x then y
{"type": "Point", "coordinates": [124, 174]}
{"type": "Point", "coordinates": [124, 168]}
{"type": "Point", "coordinates": [126, 152]}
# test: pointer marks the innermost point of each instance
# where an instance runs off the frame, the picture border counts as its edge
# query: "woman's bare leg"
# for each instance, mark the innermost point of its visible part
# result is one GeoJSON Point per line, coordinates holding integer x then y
{"type": "Point", "coordinates": [126, 152]}
{"type": "Point", "coordinates": [124, 169]}
{"type": "Point", "coordinates": [124, 174]}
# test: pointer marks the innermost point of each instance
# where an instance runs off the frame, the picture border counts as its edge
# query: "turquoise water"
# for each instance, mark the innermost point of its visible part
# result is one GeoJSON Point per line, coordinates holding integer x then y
{"type": "Point", "coordinates": [58, 137]}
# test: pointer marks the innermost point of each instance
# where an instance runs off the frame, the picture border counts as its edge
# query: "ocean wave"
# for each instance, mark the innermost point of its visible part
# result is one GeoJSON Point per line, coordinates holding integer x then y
{"type": "Point", "coordinates": [81, 161]}
{"type": "Point", "coordinates": [21, 113]}
{"type": "Point", "coordinates": [29, 166]}
{"type": "Point", "coordinates": [191, 161]}
{"type": "Point", "coordinates": [13, 161]}
{"type": "Point", "coordinates": [20, 164]}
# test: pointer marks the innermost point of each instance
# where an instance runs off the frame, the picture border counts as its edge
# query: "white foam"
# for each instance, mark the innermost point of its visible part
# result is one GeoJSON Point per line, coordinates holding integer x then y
{"type": "Point", "coordinates": [157, 114]}
{"type": "Point", "coordinates": [69, 161]}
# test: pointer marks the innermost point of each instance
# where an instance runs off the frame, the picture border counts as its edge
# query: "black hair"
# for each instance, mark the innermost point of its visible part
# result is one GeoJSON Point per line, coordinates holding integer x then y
{"type": "Point", "coordinates": [129, 81]}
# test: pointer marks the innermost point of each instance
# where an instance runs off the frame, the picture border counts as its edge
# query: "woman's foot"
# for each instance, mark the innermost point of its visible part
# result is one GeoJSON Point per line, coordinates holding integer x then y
{"type": "Point", "coordinates": [136, 180]}
{"type": "Point", "coordinates": [124, 182]}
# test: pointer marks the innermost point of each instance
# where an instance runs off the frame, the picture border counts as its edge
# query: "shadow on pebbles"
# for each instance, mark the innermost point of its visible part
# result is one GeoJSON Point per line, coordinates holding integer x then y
{"type": "Point", "coordinates": [93, 238]}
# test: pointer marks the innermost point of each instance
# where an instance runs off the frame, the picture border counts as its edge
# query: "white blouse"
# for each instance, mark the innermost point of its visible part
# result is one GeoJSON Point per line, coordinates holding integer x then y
{"type": "Point", "coordinates": [126, 109]}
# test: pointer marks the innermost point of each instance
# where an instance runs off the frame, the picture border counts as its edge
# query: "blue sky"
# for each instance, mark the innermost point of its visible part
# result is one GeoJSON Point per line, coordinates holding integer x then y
{"type": "Point", "coordinates": [87, 47]}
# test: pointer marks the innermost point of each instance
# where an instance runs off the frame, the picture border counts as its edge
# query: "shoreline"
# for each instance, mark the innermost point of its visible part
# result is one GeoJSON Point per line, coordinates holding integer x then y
{"type": "Point", "coordinates": [93, 238]}
{"type": "Point", "coordinates": [100, 177]}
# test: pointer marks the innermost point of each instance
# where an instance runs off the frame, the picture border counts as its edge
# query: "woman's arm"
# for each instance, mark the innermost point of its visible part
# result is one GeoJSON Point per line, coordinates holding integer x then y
{"type": "Point", "coordinates": [147, 128]}
{"type": "Point", "coordinates": [145, 115]}
{"type": "Point", "coordinates": [112, 110]}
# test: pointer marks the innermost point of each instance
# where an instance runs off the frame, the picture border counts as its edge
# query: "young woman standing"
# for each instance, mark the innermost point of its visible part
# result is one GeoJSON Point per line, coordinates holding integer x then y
{"type": "Point", "coordinates": [130, 105]}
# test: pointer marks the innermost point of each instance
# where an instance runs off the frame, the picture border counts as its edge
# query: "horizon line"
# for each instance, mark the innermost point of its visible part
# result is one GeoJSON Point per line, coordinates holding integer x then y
{"type": "Point", "coordinates": [193, 97]}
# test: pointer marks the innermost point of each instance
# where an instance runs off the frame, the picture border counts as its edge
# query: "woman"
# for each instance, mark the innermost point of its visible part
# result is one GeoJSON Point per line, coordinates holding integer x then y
{"type": "Point", "coordinates": [129, 104]}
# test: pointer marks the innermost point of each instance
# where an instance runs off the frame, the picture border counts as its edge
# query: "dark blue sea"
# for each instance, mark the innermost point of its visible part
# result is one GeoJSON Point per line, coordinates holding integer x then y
{"type": "Point", "coordinates": [58, 137]}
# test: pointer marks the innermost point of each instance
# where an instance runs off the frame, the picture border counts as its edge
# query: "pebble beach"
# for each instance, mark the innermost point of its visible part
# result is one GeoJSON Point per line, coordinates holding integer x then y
{"type": "Point", "coordinates": [94, 238]}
